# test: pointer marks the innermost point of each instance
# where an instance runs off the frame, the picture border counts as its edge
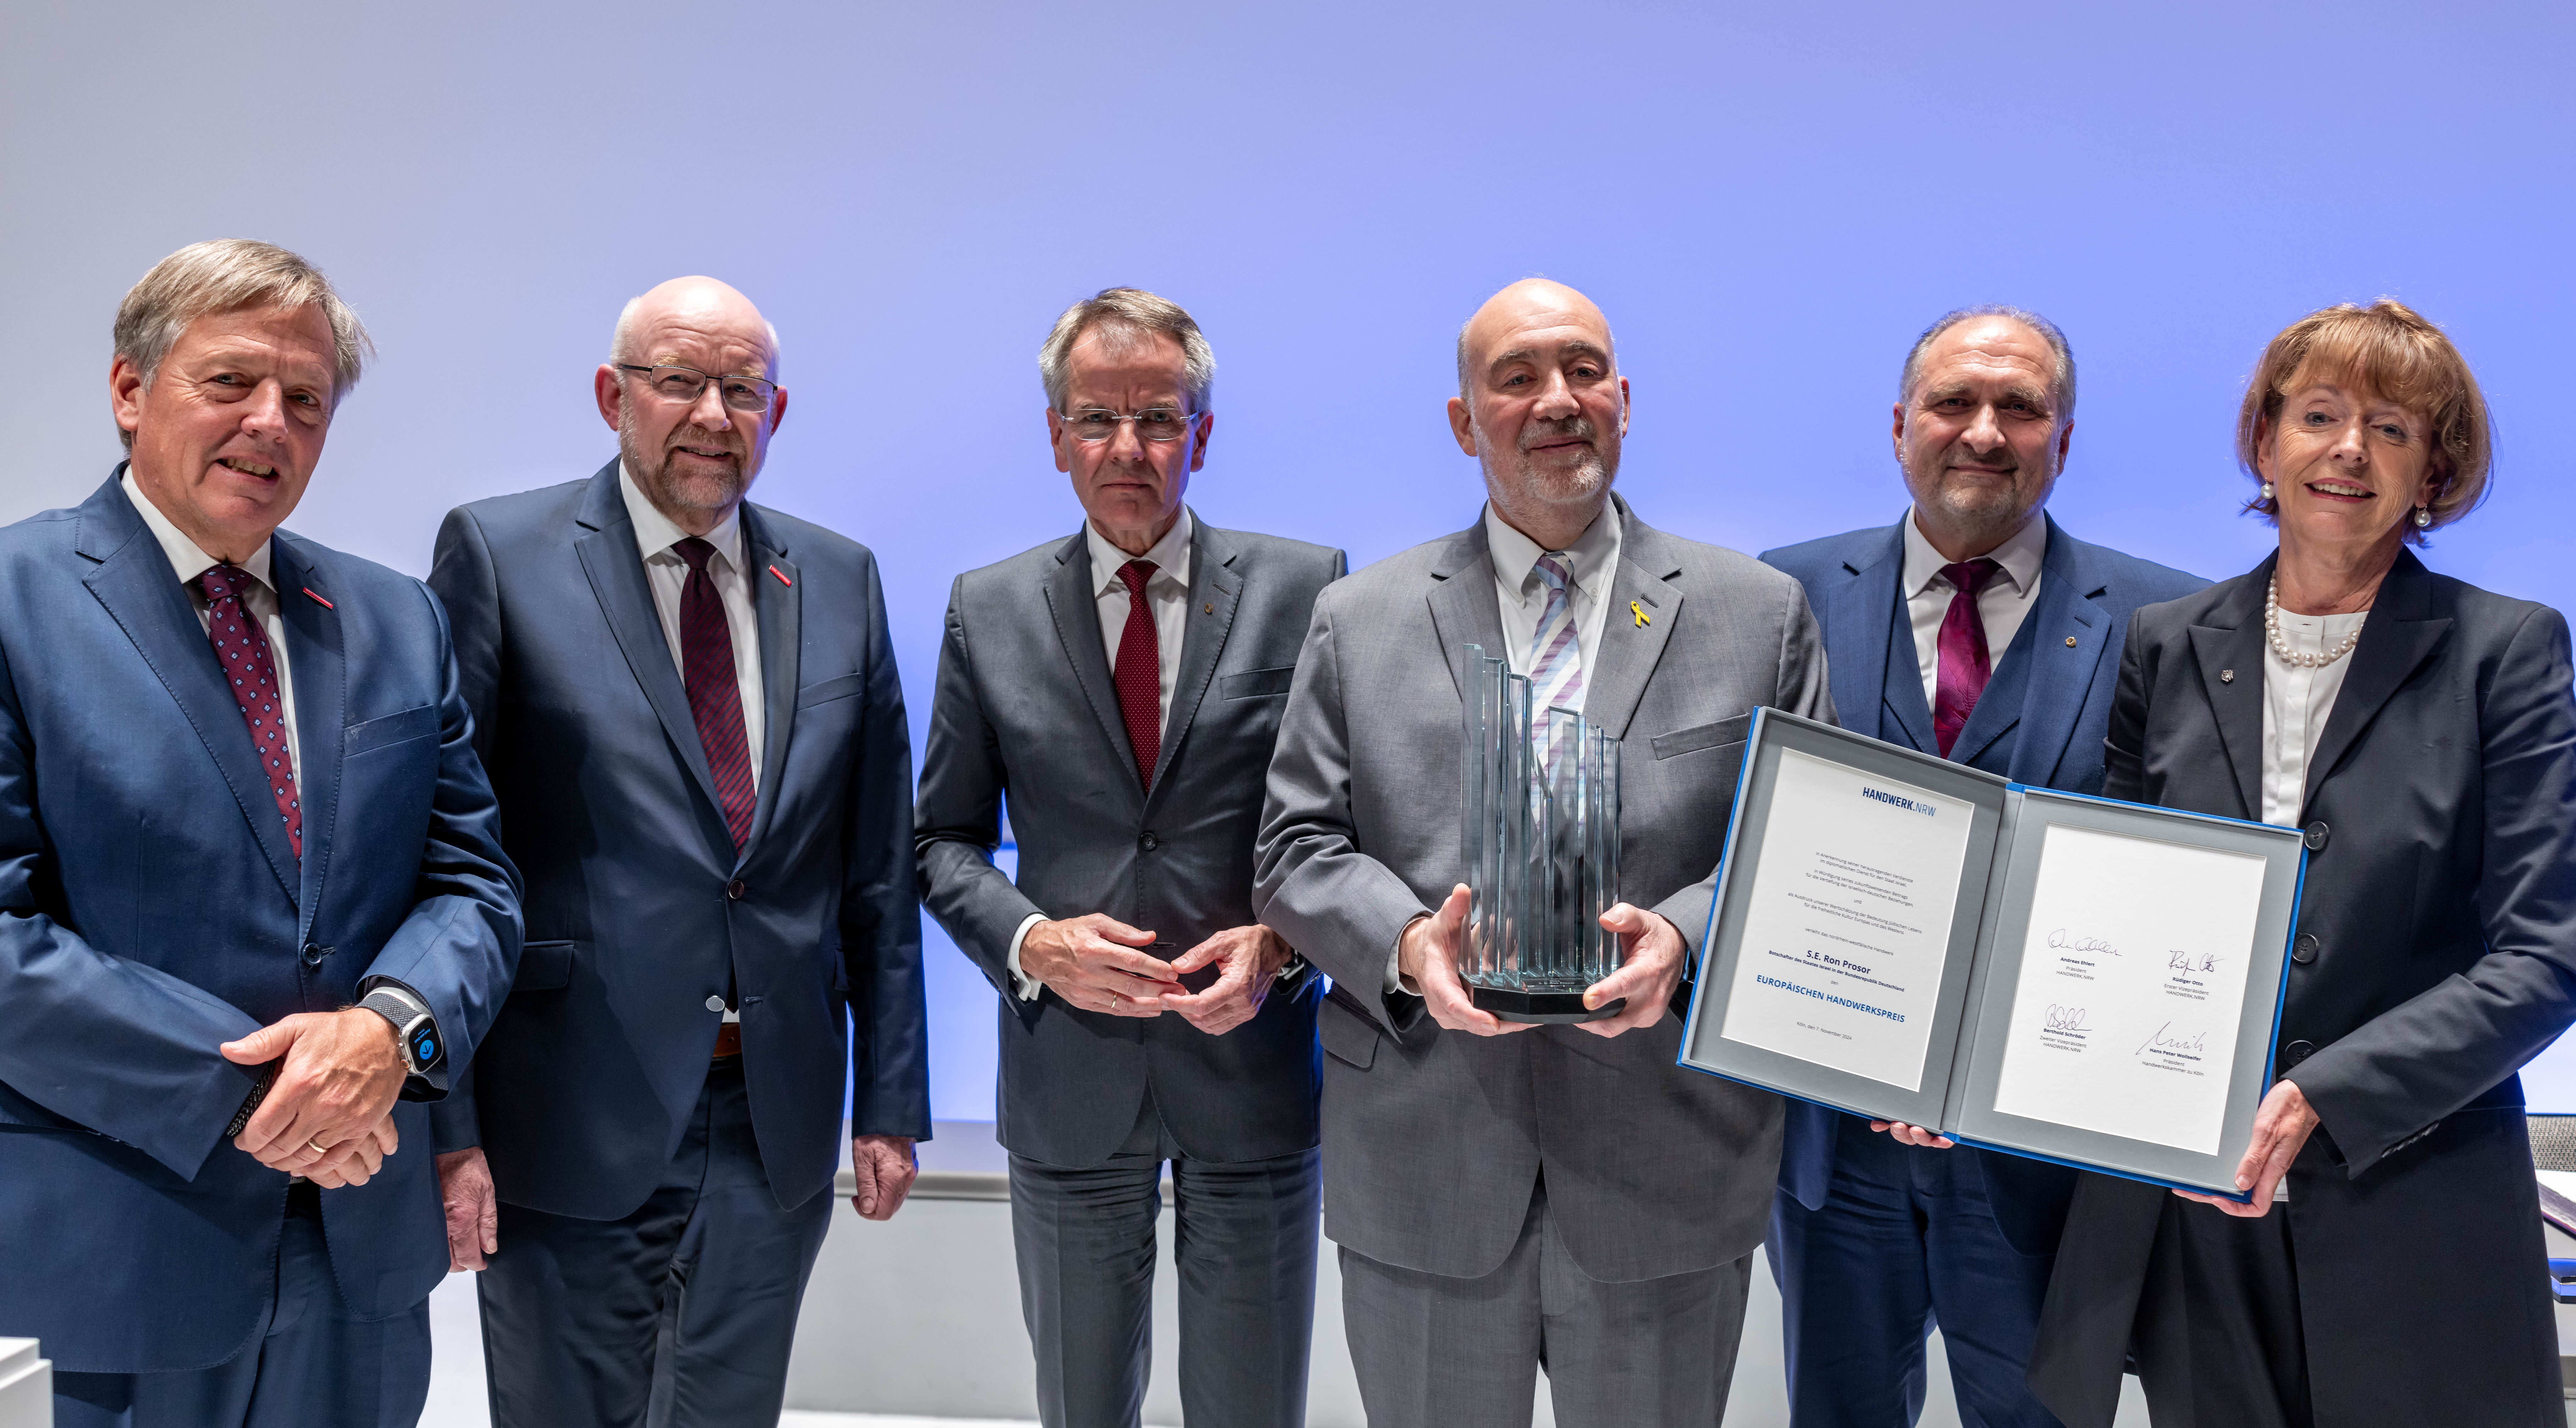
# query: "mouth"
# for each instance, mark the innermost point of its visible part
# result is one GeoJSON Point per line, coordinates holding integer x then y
{"type": "Point", "coordinates": [704, 453]}
{"type": "Point", "coordinates": [2339, 490]}
{"type": "Point", "coordinates": [247, 467]}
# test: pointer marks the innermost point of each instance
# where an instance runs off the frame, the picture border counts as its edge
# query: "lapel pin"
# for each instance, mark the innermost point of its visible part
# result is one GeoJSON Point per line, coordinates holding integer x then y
{"type": "Point", "coordinates": [782, 577]}
{"type": "Point", "coordinates": [1208, 609]}
{"type": "Point", "coordinates": [1639, 611]}
{"type": "Point", "coordinates": [2227, 676]}
{"type": "Point", "coordinates": [2070, 642]}
{"type": "Point", "coordinates": [318, 600]}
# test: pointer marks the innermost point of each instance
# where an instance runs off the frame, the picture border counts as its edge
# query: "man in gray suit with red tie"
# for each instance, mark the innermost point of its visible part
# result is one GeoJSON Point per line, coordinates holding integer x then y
{"type": "Point", "coordinates": [1123, 688]}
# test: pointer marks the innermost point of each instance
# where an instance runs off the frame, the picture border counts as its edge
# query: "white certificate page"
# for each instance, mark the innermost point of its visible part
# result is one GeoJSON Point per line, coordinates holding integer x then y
{"type": "Point", "coordinates": [2132, 983]}
{"type": "Point", "coordinates": [1848, 924]}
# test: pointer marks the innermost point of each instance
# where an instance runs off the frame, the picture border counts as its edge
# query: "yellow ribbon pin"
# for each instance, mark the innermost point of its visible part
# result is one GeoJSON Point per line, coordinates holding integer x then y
{"type": "Point", "coordinates": [1640, 612]}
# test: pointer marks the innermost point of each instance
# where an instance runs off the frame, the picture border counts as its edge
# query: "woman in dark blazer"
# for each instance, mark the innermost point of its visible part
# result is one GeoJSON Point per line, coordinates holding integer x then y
{"type": "Point", "coordinates": [2420, 730]}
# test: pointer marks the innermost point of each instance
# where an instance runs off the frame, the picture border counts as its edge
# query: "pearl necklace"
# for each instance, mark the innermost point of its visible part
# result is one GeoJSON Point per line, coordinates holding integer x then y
{"type": "Point", "coordinates": [2299, 659]}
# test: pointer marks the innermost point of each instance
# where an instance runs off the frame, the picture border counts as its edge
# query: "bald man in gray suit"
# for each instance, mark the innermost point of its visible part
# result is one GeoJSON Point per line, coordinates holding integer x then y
{"type": "Point", "coordinates": [1504, 1194]}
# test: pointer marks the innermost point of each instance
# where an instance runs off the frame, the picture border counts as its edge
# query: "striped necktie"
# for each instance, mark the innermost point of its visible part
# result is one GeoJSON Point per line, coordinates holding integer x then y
{"type": "Point", "coordinates": [1556, 657]}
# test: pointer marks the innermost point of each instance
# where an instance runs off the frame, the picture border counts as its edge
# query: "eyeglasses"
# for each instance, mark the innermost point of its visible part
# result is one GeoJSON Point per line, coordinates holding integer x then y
{"type": "Point", "coordinates": [684, 384]}
{"type": "Point", "coordinates": [1153, 423]}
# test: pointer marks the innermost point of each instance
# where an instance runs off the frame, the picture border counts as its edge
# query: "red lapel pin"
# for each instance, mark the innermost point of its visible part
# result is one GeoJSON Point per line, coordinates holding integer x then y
{"type": "Point", "coordinates": [774, 570]}
{"type": "Point", "coordinates": [318, 600]}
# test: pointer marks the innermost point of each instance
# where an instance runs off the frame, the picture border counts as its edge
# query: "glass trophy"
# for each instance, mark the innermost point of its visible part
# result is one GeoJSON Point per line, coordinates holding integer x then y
{"type": "Point", "coordinates": [1541, 831]}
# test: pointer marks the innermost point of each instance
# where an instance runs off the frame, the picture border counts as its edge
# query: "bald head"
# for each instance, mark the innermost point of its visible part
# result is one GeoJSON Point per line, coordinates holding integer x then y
{"type": "Point", "coordinates": [1542, 408]}
{"type": "Point", "coordinates": [701, 305]}
{"type": "Point", "coordinates": [692, 445]}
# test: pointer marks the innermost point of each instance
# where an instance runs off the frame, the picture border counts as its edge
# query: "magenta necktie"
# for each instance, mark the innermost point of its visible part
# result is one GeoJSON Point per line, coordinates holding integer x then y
{"type": "Point", "coordinates": [1140, 672]}
{"type": "Point", "coordinates": [715, 690]}
{"type": "Point", "coordinates": [1964, 663]}
{"type": "Point", "coordinates": [242, 647]}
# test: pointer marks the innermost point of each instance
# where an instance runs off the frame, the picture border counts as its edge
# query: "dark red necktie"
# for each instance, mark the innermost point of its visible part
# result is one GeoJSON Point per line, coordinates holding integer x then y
{"type": "Point", "coordinates": [715, 690]}
{"type": "Point", "coordinates": [242, 647]}
{"type": "Point", "coordinates": [1140, 672]}
{"type": "Point", "coordinates": [1964, 662]}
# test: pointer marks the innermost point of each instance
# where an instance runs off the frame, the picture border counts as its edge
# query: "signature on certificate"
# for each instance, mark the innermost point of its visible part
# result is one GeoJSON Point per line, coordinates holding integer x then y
{"type": "Point", "coordinates": [2065, 1018]}
{"type": "Point", "coordinates": [2168, 1040]}
{"type": "Point", "coordinates": [2064, 941]}
{"type": "Point", "coordinates": [2206, 962]}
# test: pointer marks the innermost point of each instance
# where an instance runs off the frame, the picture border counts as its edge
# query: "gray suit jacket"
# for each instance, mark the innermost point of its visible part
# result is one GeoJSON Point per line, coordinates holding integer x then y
{"type": "Point", "coordinates": [1434, 1140]}
{"type": "Point", "coordinates": [1025, 709]}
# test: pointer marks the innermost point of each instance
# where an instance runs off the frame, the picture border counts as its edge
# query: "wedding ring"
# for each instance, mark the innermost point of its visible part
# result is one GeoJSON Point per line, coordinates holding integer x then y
{"type": "Point", "coordinates": [318, 1147]}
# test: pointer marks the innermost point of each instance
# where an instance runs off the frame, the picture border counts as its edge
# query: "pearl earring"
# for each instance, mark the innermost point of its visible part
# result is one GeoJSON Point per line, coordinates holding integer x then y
{"type": "Point", "coordinates": [2267, 490]}
{"type": "Point", "coordinates": [2423, 517]}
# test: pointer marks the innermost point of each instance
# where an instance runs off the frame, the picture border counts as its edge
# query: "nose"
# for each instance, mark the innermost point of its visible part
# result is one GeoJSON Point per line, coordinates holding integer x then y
{"type": "Point", "coordinates": [1125, 445]}
{"type": "Point", "coordinates": [709, 410]}
{"type": "Point", "coordinates": [1985, 433]}
{"type": "Point", "coordinates": [264, 414]}
{"type": "Point", "coordinates": [2351, 446]}
{"type": "Point", "coordinates": [1556, 400]}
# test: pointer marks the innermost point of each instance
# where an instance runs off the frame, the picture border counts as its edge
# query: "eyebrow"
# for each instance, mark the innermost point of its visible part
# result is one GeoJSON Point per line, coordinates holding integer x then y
{"type": "Point", "coordinates": [1530, 354]}
{"type": "Point", "coordinates": [2036, 396]}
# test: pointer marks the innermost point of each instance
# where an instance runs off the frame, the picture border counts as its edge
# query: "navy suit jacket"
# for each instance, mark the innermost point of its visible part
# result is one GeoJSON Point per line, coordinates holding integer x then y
{"type": "Point", "coordinates": [639, 908]}
{"type": "Point", "coordinates": [151, 908]}
{"type": "Point", "coordinates": [2040, 722]}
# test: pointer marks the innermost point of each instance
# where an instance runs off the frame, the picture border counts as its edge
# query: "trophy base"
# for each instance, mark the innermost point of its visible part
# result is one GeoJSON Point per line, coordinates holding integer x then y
{"type": "Point", "coordinates": [1548, 1008]}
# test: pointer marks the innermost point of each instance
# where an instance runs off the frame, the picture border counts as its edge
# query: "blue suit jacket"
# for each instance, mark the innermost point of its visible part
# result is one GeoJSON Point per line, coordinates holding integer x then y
{"type": "Point", "coordinates": [638, 905]}
{"type": "Point", "coordinates": [151, 908]}
{"type": "Point", "coordinates": [2040, 722]}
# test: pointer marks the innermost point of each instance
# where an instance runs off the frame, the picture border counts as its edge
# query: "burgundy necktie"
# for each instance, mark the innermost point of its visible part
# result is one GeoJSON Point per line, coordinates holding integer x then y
{"type": "Point", "coordinates": [1964, 664]}
{"type": "Point", "coordinates": [1140, 672]}
{"type": "Point", "coordinates": [715, 690]}
{"type": "Point", "coordinates": [242, 647]}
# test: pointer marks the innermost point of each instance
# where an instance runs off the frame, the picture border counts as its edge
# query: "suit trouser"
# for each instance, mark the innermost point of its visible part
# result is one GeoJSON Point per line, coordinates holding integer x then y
{"type": "Point", "coordinates": [1906, 1237]}
{"type": "Point", "coordinates": [308, 1362]}
{"type": "Point", "coordinates": [1243, 1243]}
{"type": "Point", "coordinates": [1433, 1350]}
{"type": "Point", "coordinates": [678, 1314]}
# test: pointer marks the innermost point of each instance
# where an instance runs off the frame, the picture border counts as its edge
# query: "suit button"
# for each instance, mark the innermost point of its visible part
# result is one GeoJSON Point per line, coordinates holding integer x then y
{"type": "Point", "coordinates": [2305, 949]}
{"type": "Point", "coordinates": [2296, 1052]}
{"type": "Point", "coordinates": [735, 889]}
{"type": "Point", "coordinates": [314, 952]}
{"type": "Point", "coordinates": [1149, 842]}
{"type": "Point", "coordinates": [715, 1003]}
{"type": "Point", "coordinates": [2316, 837]}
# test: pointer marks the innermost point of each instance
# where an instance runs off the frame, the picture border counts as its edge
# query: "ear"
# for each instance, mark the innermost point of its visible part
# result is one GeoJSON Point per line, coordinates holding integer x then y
{"type": "Point", "coordinates": [2065, 439]}
{"type": "Point", "coordinates": [1462, 425]}
{"type": "Point", "coordinates": [1897, 432]}
{"type": "Point", "coordinates": [1060, 440]}
{"type": "Point", "coordinates": [2263, 448]}
{"type": "Point", "coordinates": [125, 393]}
{"type": "Point", "coordinates": [1198, 446]}
{"type": "Point", "coordinates": [1625, 404]}
{"type": "Point", "coordinates": [610, 393]}
{"type": "Point", "coordinates": [777, 410]}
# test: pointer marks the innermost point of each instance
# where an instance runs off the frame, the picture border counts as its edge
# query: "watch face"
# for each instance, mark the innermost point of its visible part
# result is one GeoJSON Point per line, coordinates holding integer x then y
{"type": "Point", "coordinates": [424, 1047]}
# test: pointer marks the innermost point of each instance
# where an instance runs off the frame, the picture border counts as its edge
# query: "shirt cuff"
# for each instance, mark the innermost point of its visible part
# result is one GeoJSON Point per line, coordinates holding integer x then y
{"type": "Point", "coordinates": [1395, 958]}
{"type": "Point", "coordinates": [1021, 982]}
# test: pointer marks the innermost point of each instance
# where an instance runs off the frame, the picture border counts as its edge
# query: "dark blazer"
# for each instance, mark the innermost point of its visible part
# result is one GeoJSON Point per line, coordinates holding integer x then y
{"type": "Point", "coordinates": [2040, 722]}
{"type": "Point", "coordinates": [1026, 710]}
{"type": "Point", "coordinates": [638, 905]}
{"type": "Point", "coordinates": [151, 908]}
{"type": "Point", "coordinates": [2435, 953]}
{"type": "Point", "coordinates": [1434, 1140]}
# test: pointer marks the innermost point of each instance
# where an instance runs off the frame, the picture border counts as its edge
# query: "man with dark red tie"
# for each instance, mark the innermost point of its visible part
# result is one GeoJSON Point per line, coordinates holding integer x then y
{"type": "Point", "coordinates": [690, 710]}
{"type": "Point", "coordinates": [1122, 689]}
{"type": "Point", "coordinates": [1976, 629]}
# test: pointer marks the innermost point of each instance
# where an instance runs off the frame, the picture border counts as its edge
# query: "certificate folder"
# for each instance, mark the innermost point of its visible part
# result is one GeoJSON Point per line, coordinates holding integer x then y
{"type": "Point", "coordinates": [2070, 978]}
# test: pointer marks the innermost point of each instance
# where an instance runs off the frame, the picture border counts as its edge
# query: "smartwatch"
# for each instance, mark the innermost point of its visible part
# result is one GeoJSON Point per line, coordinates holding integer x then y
{"type": "Point", "coordinates": [413, 1027]}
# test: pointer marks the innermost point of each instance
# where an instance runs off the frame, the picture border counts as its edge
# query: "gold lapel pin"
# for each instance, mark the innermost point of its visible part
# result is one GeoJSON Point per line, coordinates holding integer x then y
{"type": "Point", "coordinates": [1638, 610]}
{"type": "Point", "coordinates": [2070, 642]}
{"type": "Point", "coordinates": [1208, 608]}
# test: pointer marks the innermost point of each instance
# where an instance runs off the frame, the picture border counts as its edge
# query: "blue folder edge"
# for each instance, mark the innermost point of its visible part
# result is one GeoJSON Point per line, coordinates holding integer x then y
{"type": "Point", "coordinates": [2281, 997]}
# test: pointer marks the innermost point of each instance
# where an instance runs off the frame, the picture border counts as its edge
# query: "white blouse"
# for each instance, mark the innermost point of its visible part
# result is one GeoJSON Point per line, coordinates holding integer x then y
{"type": "Point", "coordinates": [2296, 701]}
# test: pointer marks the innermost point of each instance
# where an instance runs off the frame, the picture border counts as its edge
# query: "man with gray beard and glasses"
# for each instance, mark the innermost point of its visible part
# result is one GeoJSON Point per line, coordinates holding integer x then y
{"type": "Point", "coordinates": [1505, 1194]}
{"type": "Point", "coordinates": [689, 707]}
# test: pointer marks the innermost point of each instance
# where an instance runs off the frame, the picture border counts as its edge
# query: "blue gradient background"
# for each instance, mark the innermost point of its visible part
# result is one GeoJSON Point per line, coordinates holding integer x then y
{"type": "Point", "coordinates": [1768, 201]}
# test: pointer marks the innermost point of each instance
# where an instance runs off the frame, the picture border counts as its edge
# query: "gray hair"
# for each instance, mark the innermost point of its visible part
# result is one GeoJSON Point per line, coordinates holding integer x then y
{"type": "Point", "coordinates": [1133, 312]}
{"type": "Point", "coordinates": [2062, 380]}
{"type": "Point", "coordinates": [621, 337]}
{"type": "Point", "coordinates": [228, 275]}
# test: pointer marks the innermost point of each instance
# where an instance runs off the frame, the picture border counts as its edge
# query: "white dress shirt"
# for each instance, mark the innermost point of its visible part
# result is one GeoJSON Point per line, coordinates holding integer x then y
{"type": "Point", "coordinates": [2006, 599]}
{"type": "Point", "coordinates": [259, 602]}
{"type": "Point", "coordinates": [1167, 600]}
{"type": "Point", "coordinates": [666, 572]}
{"type": "Point", "coordinates": [2296, 702]}
{"type": "Point", "coordinates": [1593, 561]}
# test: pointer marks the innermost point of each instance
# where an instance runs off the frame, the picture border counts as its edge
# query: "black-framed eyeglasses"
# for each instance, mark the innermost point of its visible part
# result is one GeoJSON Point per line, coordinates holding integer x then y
{"type": "Point", "coordinates": [1153, 423]}
{"type": "Point", "coordinates": [684, 384]}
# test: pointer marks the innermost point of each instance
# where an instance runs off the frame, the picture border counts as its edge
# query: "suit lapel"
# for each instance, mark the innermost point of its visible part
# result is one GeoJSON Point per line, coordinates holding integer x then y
{"type": "Point", "coordinates": [1644, 607]}
{"type": "Point", "coordinates": [2395, 641]}
{"type": "Point", "coordinates": [1216, 588]}
{"type": "Point", "coordinates": [2060, 673]}
{"type": "Point", "coordinates": [134, 582]}
{"type": "Point", "coordinates": [2230, 652]}
{"type": "Point", "coordinates": [318, 666]}
{"type": "Point", "coordinates": [1860, 617]}
{"type": "Point", "coordinates": [616, 571]}
{"type": "Point", "coordinates": [1076, 611]}
{"type": "Point", "coordinates": [1464, 609]}
{"type": "Point", "coordinates": [777, 606]}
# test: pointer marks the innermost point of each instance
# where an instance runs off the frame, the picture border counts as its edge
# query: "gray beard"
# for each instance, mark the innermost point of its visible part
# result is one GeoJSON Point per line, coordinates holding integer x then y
{"type": "Point", "coordinates": [653, 472]}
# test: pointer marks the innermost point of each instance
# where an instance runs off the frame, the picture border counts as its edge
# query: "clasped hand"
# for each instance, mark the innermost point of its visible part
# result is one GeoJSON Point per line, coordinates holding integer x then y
{"type": "Point", "coordinates": [1096, 963]}
{"type": "Point", "coordinates": [328, 1113]}
{"type": "Point", "coordinates": [1650, 966]}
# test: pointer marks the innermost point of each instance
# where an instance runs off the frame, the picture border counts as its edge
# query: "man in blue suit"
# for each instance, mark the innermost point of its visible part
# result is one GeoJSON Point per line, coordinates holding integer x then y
{"type": "Point", "coordinates": [690, 710]}
{"type": "Point", "coordinates": [251, 887]}
{"type": "Point", "coordinates": [1975, 629]}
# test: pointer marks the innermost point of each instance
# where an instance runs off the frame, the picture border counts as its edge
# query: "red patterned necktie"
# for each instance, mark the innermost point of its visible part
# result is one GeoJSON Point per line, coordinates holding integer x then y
{"type": "Point", "coordinates": [715, 689]}
{"type": "Point", "coordinates": [1964, 663]}
{"type": "Point", "coordinates": [242, 647]}
{"type": "Point", "coordinates": [1140, 672]}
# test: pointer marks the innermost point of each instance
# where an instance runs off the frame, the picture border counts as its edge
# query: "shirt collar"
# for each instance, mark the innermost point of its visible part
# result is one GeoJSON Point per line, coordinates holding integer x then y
{"type": "Point", "coordinates": [1171, 555]}
{"type": "Point", "coordinates": [1590, 558]}
{"type": "Point", "coordinates": [656, 533]}
{"type": "Point", "coordinates": [184, 555]}
{"type": "Point", "coordinates": [2020, 555]}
